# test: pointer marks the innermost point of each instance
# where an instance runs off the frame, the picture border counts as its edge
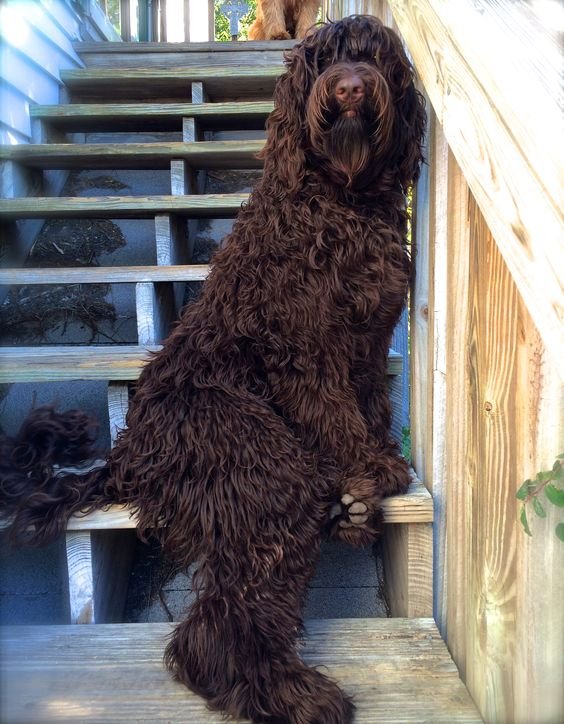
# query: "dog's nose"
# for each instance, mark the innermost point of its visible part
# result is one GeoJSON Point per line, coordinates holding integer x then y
{"type": "Point", "coordinates": [350, 89]}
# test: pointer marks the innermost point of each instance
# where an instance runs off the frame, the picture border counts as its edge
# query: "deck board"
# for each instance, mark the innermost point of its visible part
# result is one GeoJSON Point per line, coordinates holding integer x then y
{"type": "Point", "coordinates": [198, 206]}
{"type": "Point", "coordinates": [51, 363]}
{"type": "Point", "coordinates": [87, 117]}
{"type": "Point", "coordinates": [240, 154]}
{"type": "Point", "coordinates": [396, 670]}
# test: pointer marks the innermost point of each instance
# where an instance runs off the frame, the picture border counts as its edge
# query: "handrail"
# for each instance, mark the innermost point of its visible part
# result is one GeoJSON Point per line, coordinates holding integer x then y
{"type": "Point", "coordinates": [491, 71]}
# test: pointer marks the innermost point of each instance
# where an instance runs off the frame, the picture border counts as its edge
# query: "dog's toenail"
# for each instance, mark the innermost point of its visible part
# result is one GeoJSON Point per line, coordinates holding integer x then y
{"type": "Point", "coordinates": [347, 499]}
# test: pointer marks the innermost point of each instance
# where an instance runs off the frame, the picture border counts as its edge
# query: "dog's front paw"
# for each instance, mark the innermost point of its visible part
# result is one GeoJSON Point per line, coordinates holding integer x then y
{"type": "Point", "coordinates": [356, 519]}
{"type": "Point", "coordinates": [279, 35]}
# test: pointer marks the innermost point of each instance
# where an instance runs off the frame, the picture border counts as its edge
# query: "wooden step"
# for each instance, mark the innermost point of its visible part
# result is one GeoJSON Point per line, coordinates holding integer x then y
{"type": "Point", "coordinates": [415, 506]}
{"type": "Point", "coordinates": [105, 275]}
{"type": "Point", "coordinates": [198, 206]}
{"type": "Point", "coordinates": [221, 82]}
{"type": "Point", "coordinates": [89, 117]}
{"type": "Point", "coordinates": [166, 55]}
{"type": "Point", "coordinates": [93, 362]}
{"type": "Point", "coordinates": [397, 670]}
{"type": "Point", "coordinates": [199, 155]}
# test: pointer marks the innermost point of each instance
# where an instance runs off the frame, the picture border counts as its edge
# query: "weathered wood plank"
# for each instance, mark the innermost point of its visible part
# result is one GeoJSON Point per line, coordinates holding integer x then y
{"type": "Point", "coordinates": [105, 275]}
{"type": "Point", "coordinates": [87, 117]}
{"type": "Point", "coordinates": [184, 49]}
{"type": "Point", "coordinates": [415, 506]}
{"type": "Point", "coordinates": [407, 554]}
{"type": "Point", "coordinates": [200, 154]}
{"type": "Point", "coordinates": [116, 362]}
{"type": "Point", "coordinates": [492, 72]}
{"type": "Point", "coordinates": [222, 83]}
{"type": "Point", "coordinates": [119, 207]}
{"type": "Point", "coordinates": [155, 311]}
{"type": "Point", "coordinates": [396, 670]}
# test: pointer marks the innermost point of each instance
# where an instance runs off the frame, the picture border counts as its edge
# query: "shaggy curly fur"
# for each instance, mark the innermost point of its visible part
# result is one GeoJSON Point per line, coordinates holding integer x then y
{"type": "Point", "coordinates": [265, 418]}
{"type": "Point", "coordinates": [283, 19]}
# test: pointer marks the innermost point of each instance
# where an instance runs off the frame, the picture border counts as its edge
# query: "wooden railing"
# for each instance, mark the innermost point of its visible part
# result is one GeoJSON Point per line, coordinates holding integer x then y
{"type": "Point", "coordinates": [487, 336]}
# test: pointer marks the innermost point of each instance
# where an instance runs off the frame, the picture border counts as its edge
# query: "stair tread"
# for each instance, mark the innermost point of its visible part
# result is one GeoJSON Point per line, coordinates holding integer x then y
{"type": "Point", "coordinates": [240, 154]}
{"type": "Point", "coordinates": [396, 670]}
{"type": "Point", "coordinates": [143, 116]}
{"type": "Point", "coordinates": [194, 206]}
{"type": "Point", "coordinates": [414, 506]}
{"type": "Point", "coordinates": [91, 362]}
{"type": "Point", "coordinates": [215, 46]}
{"type": "Point", "coordinates": [104, 275]}
{"type": "Point", "coordinates": [221, 82]}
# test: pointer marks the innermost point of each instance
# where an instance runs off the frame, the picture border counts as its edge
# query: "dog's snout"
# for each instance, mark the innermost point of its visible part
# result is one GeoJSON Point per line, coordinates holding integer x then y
{"type": "Point", "coordinates": [350, 89]}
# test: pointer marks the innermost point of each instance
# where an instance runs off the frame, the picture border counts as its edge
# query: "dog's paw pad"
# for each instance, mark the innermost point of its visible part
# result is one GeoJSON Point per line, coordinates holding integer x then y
{"type": "Point", "coordinates": [347, 499]}
{"type": "Point", "coordinates": [358, 507]}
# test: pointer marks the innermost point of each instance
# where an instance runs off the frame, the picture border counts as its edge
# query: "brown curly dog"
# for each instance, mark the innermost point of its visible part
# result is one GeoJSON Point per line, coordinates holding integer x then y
{"type": "Point", "coordinates": [265, 418]}
{"type": "Point", "coordinates": [283, 19]}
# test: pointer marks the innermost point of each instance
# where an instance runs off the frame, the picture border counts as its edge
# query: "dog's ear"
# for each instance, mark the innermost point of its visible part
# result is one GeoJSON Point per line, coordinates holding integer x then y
{"type": "Point", "coordinates": [284, 152]}
{"type": "Point", "coordinates": [409, 104]}
{"type": "Point", "coordinates": [409, 134]}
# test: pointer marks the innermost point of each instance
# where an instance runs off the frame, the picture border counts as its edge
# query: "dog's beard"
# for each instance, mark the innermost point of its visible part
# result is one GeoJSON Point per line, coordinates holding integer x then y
{"type": "Point", "coordinates": [349, 148]}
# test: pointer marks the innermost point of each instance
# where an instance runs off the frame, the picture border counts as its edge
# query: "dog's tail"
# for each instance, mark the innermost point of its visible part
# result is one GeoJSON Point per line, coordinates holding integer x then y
{"type": "Point", "coordinates": [37, 494]}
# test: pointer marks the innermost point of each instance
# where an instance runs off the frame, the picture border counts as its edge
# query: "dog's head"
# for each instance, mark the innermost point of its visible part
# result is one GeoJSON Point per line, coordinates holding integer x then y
{"type": "Point", "coordinates": [348, 105]}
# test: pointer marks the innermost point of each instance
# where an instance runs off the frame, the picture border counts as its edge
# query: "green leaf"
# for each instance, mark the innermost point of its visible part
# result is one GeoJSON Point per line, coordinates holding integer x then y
{"type": "Point", "coordinates": [561, 456]}
{"type": "Point", "coordinates": [539, 510]}
{"type": "Point", "coordinates": [524, 490]}
{"type": "Point", "coordinates": [524, 521]}
{"type": "Point", "coordinates": [555, 495]}
{"type": "Point", "coordinates": [557, 466]}
{"type": "Point", "coordinates": [544, 476]}
{"type": "Point", "coordinates": [560, 531]}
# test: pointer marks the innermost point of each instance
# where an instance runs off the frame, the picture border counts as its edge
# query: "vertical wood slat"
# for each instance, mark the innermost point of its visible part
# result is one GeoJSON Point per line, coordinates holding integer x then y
{"type": "Point", "coordinates": [407, 555]}
{"type": "Point", "coordinates": [419, 320]}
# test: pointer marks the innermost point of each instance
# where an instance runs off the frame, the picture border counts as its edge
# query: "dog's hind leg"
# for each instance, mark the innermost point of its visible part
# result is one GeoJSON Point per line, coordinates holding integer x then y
{"type": "Point", "coordinates": [261, 512]}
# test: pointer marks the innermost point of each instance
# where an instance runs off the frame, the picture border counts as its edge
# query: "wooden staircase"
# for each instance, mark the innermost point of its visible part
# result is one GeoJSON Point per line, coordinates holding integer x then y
{"type": "Point", "coordinates": [146, 88]}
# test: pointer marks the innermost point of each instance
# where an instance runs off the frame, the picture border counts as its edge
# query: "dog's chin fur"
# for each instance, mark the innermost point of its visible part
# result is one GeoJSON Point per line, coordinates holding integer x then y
{"type": "Point", "coordinates": [349, 149]}
{"type": "Point", "coordinates": [267, 409]}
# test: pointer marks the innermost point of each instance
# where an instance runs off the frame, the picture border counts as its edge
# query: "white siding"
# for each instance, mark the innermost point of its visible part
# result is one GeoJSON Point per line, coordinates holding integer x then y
{"type": "Point", "coordinates": [36, 43]}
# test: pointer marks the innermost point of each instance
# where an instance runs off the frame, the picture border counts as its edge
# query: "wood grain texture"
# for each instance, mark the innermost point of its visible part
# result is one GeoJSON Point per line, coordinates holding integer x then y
{"type": "Point", "coordinates": [407, 555]}
{"type": "Point", "coordinates": [420, 386]}
{"type": "Point", "coordinates": [80, 576]}
{"type": "Point", "coordinates": [416, 506]}
{"type": "Point", "coordinates": [438, 304]}
{"type": "Point", "coordinates": [219, 206]}
{"type": "Point", "coordinates": [156, 311]}
{"type": "Point", "coordinates": [88, 117]}
{"type": "Point", "coordinates": [396, 670]}
{"type": "Point", "coordinates": [93, 362]}
{"type": "Point", "coordinates": [118, 402]}
{"type": "Point", "coordinates": [201, 154]}
{"type": "Point", "coordinates": [222, 83]}
{"type": "Point", "coordinates": [492, 74]}
{"type": "Point", "coordinates": [105, 275]}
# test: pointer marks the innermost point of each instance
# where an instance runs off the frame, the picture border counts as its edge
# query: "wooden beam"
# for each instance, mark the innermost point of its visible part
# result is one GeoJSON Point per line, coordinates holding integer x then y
{"type": "Point", "coordinates": [92, 362]}
{"type": "Point", "coordinates": [217, 206]}
{"type": "Point", "coordinates": [414, 507]}
{"type": "Point", "coordinates": [201, 154]}
{"type": "Point", "coordinates": [105, 275]}
{"type": "Point", "coordinates": [492, 74]}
